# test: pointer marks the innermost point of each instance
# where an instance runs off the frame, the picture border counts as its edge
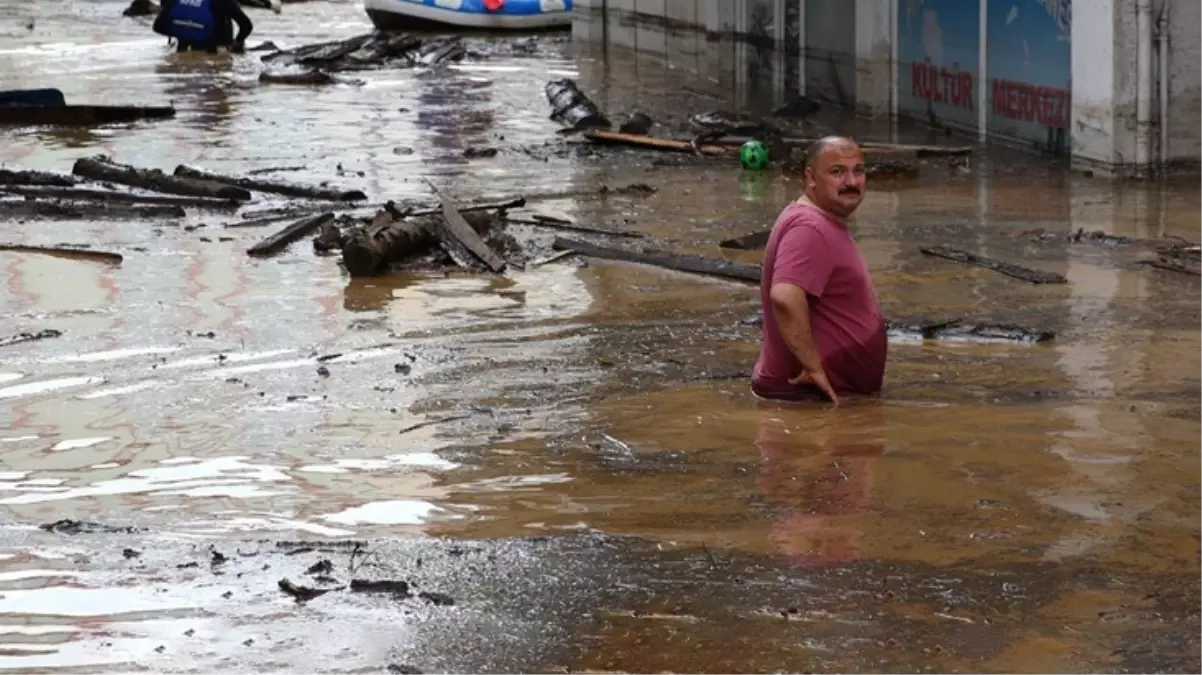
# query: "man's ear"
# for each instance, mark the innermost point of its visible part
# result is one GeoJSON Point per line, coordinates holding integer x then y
{"type": "Point", "coordinates": [809, 175]}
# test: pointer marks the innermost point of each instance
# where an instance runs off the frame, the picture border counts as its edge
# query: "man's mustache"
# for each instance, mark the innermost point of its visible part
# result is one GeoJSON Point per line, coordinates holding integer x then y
{"type": "Point", "coordinates": [849, 191]}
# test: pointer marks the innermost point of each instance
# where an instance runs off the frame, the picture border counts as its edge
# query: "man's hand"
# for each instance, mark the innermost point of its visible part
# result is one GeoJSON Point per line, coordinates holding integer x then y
{"type": "Point", "coordinates": [818, 379]}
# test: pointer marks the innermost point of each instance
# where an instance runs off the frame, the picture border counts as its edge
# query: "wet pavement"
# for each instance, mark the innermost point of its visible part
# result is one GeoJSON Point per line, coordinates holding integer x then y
{"type": "Point", "coordinates": [570, 453]}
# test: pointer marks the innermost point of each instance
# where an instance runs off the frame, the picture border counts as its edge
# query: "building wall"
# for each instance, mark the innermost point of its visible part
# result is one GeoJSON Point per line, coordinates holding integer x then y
{"type": "Point", "coordinates": [1026, 72]}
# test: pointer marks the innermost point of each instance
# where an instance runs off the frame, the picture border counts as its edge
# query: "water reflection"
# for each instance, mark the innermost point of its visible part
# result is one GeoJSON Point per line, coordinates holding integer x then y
{"type": "Point", "coordinates": [818, 471]}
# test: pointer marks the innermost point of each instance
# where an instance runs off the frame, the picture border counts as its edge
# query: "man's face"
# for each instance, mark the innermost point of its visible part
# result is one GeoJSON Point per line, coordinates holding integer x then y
{"type": "Point", "coordinates": [836, 178]}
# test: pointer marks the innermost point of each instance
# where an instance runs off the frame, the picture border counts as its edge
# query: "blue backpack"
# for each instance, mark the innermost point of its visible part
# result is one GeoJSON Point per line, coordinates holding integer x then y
{"type": "Point", "coordinates": [192, 21]}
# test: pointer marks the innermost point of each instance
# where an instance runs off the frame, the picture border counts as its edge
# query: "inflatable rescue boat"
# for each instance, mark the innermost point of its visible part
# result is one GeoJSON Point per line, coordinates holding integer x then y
{"type": "Point", "coordinates": [501, 15]}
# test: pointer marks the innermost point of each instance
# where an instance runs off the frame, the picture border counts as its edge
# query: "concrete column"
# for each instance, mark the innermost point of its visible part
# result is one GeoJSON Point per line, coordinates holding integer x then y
{"type": "Point", "coordinates": [1104, 84]}
{"type": "Point", "coordinates": [874, 53]}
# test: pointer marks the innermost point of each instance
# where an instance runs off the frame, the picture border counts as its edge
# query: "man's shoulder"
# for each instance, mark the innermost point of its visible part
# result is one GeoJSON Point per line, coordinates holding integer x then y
{"type": "Point", "coordinates": [801, 217]}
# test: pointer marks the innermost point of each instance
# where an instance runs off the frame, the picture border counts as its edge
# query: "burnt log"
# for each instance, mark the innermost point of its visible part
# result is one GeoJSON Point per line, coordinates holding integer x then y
{"type": "Point", "coordinates": [68, 211]}
{"type": "Point", "coordinates": [681, 262]}
{"type": "Point", "coordinates": [371, 249]}
{"type": "Point", "coordinates": [68, 252]}
{"type": "Point", "coordinates": [309, 77]}
{"type": "Point", "coordinates": [1001, 267]}
{"type": "Point", "coordinates": [748, 242]}
{"type": "Point", "coordinates": [280, 240]}
{"type": "Point", "coordinates": [572, 108]}
{"type": "Point", "coordinates": [11, 177]}
{"type": "Point", "coordinates": [30, 337]}
{"type": "Point", "coordinates": [100, 168]}
{"type": "Point", "coordinates": [89, 194]}
{"type": "Point", "coordinates": [286, 189]}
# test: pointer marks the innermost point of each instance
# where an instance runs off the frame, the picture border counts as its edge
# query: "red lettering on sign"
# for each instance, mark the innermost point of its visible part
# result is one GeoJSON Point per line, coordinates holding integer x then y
{"type": "Point", "coordinates": [1045, 106]}
{"type": "Point", "coordinates": [951, 86]}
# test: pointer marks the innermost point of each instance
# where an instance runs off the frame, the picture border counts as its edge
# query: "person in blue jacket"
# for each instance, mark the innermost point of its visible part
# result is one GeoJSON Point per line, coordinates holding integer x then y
{"type": "Point", "coordinates": [204, 25]}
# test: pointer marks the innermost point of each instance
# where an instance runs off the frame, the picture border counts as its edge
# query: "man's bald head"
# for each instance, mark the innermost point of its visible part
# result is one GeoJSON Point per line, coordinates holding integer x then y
{"type": "Point", "coordinates": [825, 143]}
{"type": "Point", "coordinates": [834, 171]}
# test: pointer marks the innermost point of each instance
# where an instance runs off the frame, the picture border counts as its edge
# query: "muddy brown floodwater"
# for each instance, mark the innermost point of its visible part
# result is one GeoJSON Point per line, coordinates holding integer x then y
{"type": "Point", "coordinates": [565, 465]}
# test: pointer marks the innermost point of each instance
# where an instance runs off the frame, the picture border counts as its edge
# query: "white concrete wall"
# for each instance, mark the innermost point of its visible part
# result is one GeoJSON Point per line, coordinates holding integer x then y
{"type": "Point", "coordinates": [1185, 80]}
{"type": "Point", "coordinates": [848, 54]}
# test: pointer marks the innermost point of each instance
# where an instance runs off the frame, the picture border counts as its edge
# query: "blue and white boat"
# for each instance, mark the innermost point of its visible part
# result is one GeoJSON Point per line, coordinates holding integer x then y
{"type": "Point", "coordinates": [517, 15]}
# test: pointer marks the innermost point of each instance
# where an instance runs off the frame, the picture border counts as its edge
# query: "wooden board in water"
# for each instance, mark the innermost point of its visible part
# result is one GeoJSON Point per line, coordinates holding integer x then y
{"type": "Point", "coordinates": [81, 115]}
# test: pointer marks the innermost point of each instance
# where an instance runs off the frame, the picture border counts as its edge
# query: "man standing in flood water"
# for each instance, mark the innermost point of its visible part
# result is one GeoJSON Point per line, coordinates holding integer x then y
{"type": "Point", "coordinates": [823, 334]}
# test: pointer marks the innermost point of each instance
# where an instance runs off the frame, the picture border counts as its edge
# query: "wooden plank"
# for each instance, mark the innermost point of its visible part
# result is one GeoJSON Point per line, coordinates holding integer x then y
{"type": "Point", "coordinates": [748, 242]}
{"type": "Point", "coordinates": [1001, 267]}
{"type": "Point", "coordinates": [81, 115]}
{"type": "Point", "coordinates": [102, 169]}
{"type": "Point", "coordinates": [275, 187]}
{"type": "Point", "coordinates": [298, 230]}
{"type": "Point", "coordinates": [456, 226]}
{"type": "Point", "coordinates": [69, 252]}
{"type": "Point", "coordinates": [89, 194]}
{"type": "Point", "coordinates": [681, 262]}
{"type": "Point", "coordinates": [651, 142]}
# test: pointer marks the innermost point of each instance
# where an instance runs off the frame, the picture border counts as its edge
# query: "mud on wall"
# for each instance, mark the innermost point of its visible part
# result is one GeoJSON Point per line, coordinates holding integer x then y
{"type": "Point", "coordinates": [1001, 68]}
{"type": "Point", "coordinates": [758, 51]}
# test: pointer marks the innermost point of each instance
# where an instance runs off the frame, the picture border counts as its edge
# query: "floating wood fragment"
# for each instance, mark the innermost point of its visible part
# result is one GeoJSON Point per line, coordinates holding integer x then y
{"type": "Point", "coordinates": [29, 208]}
{"type": "Point", "coordinates": [962, 329]}
{"type": "Point", "coordinates": [748, 242]}
{"type": "Point", "coordinates": [953, 329]}
{"type": "Point", "coordinates": [1175, 264]}
{"type": "Point", "coordinates": [101, 168]}
{"type": "Point", "coordinates": [89, 194]}
{"type": "Point", "coordinates": [651, 142]}
{"type": "Point", "coordinates": [572, 108]}
{"type": "Point", "coordinates": [70, 252]}
{"type": "Point", "coordinates": [30, 337]}
{"type": "Point", "coordinates": [286, 189]}
{"type": "Point", "coordinates": [498, 205]}
{"type": "Point", "coordinates": [1009, 269]}
{"type": "Point", "coordinates": [15, 177]}
{"type": "Point", "coordinates": [569, 227]}
{"type": "Point", "coordinates": [298, 230]}
{"type": "Point", "coordinates": [681, 262]}
{"type": "Point", "coordinates": [80, 115]}
{"type": "Point", "coordinates": [311, 77]}
{"type": "Point", "coordinates": [457, 229]}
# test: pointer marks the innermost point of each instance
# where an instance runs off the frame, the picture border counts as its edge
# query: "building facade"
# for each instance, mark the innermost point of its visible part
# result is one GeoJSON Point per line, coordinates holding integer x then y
{"type": "Point", "coordinates": [1116, 86]}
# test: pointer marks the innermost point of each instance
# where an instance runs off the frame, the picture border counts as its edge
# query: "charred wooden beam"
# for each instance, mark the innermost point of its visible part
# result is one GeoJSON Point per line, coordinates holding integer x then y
{"type": "Point", "coordinates": [681, 262]}
{"type": "Point", "coordinates": [88, 194]}
{"type": "Point", "coordinates": [100, 168]}
{"type": "Point", "coordinates": [286, 189]}
{"type": "Point", "coordinates": [1009, 269]}
{"type": "Point", "coordinates": [298, 230]}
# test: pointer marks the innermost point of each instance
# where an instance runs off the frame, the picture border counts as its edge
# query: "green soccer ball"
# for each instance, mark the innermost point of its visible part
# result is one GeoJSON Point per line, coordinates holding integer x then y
{"type": "Point", "coordinates": [754, 155]}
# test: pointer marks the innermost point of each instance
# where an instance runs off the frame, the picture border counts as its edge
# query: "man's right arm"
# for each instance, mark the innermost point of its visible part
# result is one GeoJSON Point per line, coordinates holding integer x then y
{"type": "Point", "coordinates": [791, 309]}
{"type": "Point", "coordinates": [802, 269]}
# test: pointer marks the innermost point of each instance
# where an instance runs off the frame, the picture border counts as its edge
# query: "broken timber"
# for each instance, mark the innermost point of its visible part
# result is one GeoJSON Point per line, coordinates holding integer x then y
{"type": "Point", "coordinates": [748, 242]}
{"type": "Point", "coordinates": [80, 115]}
{"type": "Point", "coordinates": [680, 262]}
{"type": "Point", "coordinates": [99, 168]}
{"type": "Point", "coordinates": [456, 230]}
{"type": "Point", "coordinates": [88, 194]}
{"type": "Point", "coordinates": [369, 250]}
{"type": "Point", "coordinates": [1008, 269]}
{"type": "Point", "coordinates": [953, 329]}
{"type": "Point", "coordinates": [11, 177]}
{"type": "Point", "coordinates": [650, 142]}
{"type": "Point", "coordinates": [29, 208]}
{"type": "Point", "coordinates": [298, 230]}
{"type": "Point", "coordinates": [70, 252]}
{"type": "Point", "coordinates": [30, 337]}
{"type": "Point", "coordinates": [569, 227]}
{"type": "Point", "coordinates": [287, 189]}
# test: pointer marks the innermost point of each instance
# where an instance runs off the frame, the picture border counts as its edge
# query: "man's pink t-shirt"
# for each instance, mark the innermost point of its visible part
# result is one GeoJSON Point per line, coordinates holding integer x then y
{"type": "Point", "coordinates": [811, 250]}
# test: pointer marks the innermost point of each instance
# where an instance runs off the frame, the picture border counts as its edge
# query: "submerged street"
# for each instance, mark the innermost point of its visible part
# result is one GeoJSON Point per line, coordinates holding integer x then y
{"type": "Point", "coordinates": [564, 464]}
